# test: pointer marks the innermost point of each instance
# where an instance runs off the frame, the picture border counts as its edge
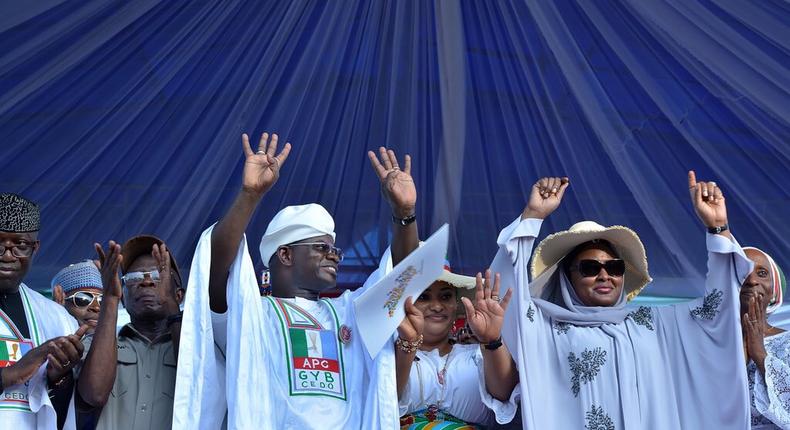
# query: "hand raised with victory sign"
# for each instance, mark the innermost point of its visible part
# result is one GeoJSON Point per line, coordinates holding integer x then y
{"type": "Point", "coordinates": [486, 315]}
{"type": "Point", "coordinates": [262, 168]}
{"type": "Point", "coordinates": [397, 185]}
{"type": "Point", "coordinates": [545, 197]}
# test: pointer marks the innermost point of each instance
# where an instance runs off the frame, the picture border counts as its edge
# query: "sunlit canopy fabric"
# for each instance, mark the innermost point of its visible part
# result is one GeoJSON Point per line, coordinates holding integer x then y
{"type": "Point", "coordinates": [124, 118]}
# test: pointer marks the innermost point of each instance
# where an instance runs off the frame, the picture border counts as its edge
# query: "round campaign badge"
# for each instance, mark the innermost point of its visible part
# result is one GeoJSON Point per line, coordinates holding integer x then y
{"type": "Point", "coordinates": [345, 334]}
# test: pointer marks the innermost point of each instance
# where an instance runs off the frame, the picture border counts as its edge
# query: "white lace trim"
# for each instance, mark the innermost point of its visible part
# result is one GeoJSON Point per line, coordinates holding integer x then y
{"type": "Point", "coordinates": [771, 398]}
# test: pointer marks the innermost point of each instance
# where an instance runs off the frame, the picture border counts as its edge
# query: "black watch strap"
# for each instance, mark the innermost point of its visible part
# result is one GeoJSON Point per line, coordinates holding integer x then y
{"type": "Point", "coordinates": [493, 345]}
{"type": "Point", "coordinates": [404, 221]}
{"type": "Point", "coordinates": [717, 230]}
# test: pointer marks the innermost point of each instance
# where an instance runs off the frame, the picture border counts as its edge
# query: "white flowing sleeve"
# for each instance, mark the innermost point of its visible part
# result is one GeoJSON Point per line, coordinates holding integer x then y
{"type": "Point", "coordinates": [515, 244]}
{"type": "Point", "coordinates": [717, 312]}
{"type": "Point", "coordinates": [691, 334]}
{"type": "Point", "coordinates": [772, 395]}
{"type": "Point", "coordinates": [511, 261]}
{"type": "Point", "coordinates": [504, 411]}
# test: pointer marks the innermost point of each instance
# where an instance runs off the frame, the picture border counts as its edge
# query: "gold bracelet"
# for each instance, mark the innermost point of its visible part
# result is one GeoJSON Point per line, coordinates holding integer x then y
{"type": "Point", "coordinates": [407, 346]}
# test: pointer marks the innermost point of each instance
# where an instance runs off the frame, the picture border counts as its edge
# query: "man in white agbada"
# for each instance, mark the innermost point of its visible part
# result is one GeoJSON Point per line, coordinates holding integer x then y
{"type": "Point", "coordinates": [37, 348]}
{"type": "Point", "coordinates": [288, 360]}
{"type": "Point", "coordinates": [583, 359]}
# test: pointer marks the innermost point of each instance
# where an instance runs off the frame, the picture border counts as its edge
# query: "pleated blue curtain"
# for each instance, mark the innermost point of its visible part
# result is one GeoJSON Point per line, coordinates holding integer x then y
{"type": "Point", "coordinates": [122, 118]}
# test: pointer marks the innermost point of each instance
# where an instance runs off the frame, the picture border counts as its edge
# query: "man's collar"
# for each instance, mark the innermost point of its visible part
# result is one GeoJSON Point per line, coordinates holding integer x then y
{"type": "Point", "coordinates": [128, 330]}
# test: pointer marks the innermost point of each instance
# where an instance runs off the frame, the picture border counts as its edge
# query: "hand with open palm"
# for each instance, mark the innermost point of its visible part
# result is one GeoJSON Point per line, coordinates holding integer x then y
{"type": "Point", "coordinates": [262, 168]}
{"type": "Point", "coordinates": [486, 315]}
{"type": "Point", "coordinates": [397, 185]}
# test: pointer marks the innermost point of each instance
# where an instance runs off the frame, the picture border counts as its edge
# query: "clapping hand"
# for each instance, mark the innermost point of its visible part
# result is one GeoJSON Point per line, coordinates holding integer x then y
{"type": "Point", "coordinates": [167, 291]}
{"type": "Point", "coordinates": [397, 185]}
{"type": "Point", "coordinates": [108, 265]}
{"type": "Point", "coordinates": [262, 168]}
{"type": "Point", "coordinates": [545, 197]}
{"type": "Point", "coordinates": [708, 201]}
{"type": "Point", "coordinates": [486, 315]}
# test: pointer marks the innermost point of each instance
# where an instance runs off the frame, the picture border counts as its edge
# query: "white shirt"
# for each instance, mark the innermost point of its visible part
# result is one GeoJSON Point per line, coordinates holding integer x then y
{"type": "Point", "coordinates": [461, 393]}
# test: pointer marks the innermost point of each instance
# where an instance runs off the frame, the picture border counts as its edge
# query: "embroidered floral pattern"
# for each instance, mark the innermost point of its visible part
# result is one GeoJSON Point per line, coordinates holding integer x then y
{"type": "Point", "coordinates": [586, 367]}
{"type": "Point", "coordinates": [597, 419]}
{"type": "Point", "coordinates": [709, 307]}
{"type": "Point", "coordinates": [561, 327]}
{"type": "Point", "coordinates": [773, 392]}
{"type": "Point", "coordinates": [643, 316]}
{"type": "Point", "coordinates": [531, 313]}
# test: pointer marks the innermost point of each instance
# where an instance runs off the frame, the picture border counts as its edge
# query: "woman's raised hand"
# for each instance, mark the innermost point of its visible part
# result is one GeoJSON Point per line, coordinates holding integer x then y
{"type": "Point", "coordinates": [545, 197]}
{"type": "Point", "coordinates": [486, 315]}
{"type": "Point", "coordinates": [708, 201]}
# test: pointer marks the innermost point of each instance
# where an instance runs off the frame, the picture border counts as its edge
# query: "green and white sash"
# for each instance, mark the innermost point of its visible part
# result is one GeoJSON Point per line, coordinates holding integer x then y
{"type": "Point", "coordinates": [12, 347]}
{"type": "Point", "coordinates": [314, 355]}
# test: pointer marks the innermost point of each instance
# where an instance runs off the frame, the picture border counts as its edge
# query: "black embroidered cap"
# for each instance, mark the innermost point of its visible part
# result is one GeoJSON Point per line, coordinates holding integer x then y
{"type": "Point", "coordinates": [18, 214]}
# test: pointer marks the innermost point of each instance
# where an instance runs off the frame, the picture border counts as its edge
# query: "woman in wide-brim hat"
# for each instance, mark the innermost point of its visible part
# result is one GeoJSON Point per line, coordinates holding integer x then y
{"type": "Point", "coordinates": [767, 347]}
{"type": "Point", "coordinates": [582, 358]}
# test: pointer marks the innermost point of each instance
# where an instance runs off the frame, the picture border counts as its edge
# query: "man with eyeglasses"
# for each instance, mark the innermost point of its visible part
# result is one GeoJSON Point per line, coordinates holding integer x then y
{"type": "Point", "coordinates": [137, 392]}
{"type": "Point", "coordinates": [288, 360]}
{"type": "Point", "coordinates": [78, 288]}
{"type": "Point", "coordinates": [39, 341]}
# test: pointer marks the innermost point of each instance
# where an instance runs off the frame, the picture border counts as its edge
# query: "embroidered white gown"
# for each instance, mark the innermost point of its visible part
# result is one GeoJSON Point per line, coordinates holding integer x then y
{"type": "Point", "coordinates": [671, 367]}
{"type": "Point", "coordinates": [771, 397]}
{"type": "Point", "coordinates": [280, 364]}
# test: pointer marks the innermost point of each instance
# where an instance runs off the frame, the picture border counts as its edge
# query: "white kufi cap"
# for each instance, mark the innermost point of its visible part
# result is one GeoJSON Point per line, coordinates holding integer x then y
{"type": "Point", "coordinates": [295, 223]}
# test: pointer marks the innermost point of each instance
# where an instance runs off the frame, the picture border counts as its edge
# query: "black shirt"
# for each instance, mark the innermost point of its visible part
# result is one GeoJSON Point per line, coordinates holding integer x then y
{"type": "Point", "coordinates": [11, 304]}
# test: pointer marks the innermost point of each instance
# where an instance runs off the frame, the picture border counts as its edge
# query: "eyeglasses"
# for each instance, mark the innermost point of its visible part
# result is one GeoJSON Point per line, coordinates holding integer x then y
{"type": "Point", "coordinates": [589, 268]}
{"type": "Point", "coordinates": [133, 279]}
{"type": "Point", "coordinates": [323, 248]}
{"type": "Point", "coordinates": [83, 299]}
{"type": "Point", "coordinates": [21, 249]}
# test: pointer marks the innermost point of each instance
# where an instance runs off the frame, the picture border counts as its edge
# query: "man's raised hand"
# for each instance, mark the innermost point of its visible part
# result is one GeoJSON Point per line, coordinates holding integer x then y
{"type": "Point", "coordinates": [262, 168]}
{"type": "Point", "coordinates": [397, 185]}
{"type": "Point", "coordinates": [108, 265]}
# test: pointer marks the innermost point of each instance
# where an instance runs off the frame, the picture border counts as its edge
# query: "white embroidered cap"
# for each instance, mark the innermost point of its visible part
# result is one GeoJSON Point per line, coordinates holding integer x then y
{"type": "Point", "coordinates": [294, 223]}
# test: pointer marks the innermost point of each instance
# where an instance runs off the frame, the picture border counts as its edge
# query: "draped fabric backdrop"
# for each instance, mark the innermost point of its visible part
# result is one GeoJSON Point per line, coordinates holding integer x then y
{"type": "Point", "coordinates": [121, 118]}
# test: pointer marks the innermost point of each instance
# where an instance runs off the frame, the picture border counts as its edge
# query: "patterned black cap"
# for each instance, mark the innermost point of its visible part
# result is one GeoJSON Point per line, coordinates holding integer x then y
{"type": "Point", "coordinates": [18, 214]}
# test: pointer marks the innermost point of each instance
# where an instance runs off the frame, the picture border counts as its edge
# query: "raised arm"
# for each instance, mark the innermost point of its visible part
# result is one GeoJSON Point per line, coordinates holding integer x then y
{"type": "Point", "coordinates": [399, 190]}
{"type": "Point", "coordinates": [261, 171]}
{"type": "Point", "coordinates": [709, 204]}
{"type": "Point", "coordinates": [485, 318]}
{"type": "Point", "coordinates": [98, 371]}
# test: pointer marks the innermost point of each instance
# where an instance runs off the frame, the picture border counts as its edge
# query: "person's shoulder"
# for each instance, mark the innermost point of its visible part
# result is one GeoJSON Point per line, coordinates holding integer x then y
{"type": "Point", "coordinates": [46, 304]}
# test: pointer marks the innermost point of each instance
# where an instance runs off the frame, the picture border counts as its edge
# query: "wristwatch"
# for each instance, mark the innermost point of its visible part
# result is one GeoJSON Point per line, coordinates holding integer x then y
{"type": "Point", "coordinates": [717, 230]}
{"type": "Point", "coordinates": [404, 221]}
{"type": "Point", "coordinates": [494, 344]}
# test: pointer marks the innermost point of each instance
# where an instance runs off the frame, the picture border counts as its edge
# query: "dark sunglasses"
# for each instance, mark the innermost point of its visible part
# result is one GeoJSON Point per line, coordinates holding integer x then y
{"type": "Point", "coordinates": [323, 248]}
{"type": "Point", "coordinates": [589, 268]}
{"type": "Point", "coordinates": [83, 299]}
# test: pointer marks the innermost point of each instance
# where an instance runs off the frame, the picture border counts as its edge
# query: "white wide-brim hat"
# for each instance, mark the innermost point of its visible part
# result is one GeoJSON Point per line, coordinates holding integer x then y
{"type": "Point", "coordinates": [626, 242]}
